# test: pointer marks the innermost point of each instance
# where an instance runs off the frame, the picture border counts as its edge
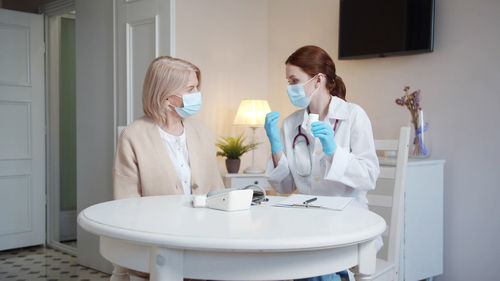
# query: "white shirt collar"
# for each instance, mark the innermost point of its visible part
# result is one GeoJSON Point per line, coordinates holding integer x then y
{"type": "Point", "coordinates": [337, 110]}
{"type": "Point", "coordinates": [171, 138]}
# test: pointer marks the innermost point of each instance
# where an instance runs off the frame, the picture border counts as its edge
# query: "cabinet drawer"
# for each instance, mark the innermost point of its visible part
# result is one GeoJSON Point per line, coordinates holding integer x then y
{"type": "Point", "coordinates": [242, 182]}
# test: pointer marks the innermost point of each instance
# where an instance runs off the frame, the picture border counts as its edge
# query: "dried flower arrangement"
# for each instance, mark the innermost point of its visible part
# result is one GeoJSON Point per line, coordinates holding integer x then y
{"type": "Point", "coordinates": [412, 102]}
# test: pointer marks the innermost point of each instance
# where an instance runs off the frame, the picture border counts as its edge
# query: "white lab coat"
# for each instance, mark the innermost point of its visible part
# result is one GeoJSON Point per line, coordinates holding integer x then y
{"type": "Point", "coordinates": [351, 171]}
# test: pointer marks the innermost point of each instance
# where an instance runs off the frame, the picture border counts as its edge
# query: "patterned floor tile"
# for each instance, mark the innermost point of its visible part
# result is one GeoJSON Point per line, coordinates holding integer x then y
{"type": "Point", "coordinates": [44, 264]}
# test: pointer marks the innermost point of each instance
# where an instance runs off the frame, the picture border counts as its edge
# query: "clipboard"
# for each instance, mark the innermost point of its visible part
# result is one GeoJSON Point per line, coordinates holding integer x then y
{"type": "Point", "coordinates": [336, 203]}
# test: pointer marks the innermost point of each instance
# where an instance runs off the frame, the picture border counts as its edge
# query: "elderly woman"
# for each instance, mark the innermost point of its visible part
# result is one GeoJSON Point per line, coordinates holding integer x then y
{"type": "Point", "coordinates": [165, 152]}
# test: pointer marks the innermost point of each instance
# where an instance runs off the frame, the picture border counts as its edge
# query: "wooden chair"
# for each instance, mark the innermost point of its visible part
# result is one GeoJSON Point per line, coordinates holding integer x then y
{"type": "Point", "coordinates": [387, 200]}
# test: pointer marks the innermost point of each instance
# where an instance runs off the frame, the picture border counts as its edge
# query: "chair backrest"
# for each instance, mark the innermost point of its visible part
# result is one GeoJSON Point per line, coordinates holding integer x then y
{"type": "Point", "coordinates": [388, 197]}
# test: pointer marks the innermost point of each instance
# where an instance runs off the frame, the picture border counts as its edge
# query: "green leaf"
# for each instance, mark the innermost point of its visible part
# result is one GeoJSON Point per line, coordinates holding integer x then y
{"type": "Point", "coordinates": [234, 148]}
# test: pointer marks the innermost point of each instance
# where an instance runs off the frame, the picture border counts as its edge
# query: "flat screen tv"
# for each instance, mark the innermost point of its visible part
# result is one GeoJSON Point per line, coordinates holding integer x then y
{"type": "Point", "coordinates": [379, 28]}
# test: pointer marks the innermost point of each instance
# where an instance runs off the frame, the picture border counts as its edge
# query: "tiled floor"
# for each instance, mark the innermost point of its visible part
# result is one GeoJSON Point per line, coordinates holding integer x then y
{"type": "Point", "coordinates": [44, 264]}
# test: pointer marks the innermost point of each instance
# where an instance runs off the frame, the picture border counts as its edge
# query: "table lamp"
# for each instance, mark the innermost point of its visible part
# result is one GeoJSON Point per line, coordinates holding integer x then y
{"type": "Point", "coordinates": [252, 113]}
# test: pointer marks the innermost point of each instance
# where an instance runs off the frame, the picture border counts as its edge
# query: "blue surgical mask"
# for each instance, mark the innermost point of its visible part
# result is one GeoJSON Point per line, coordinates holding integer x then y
{"type": "Point", "coordinates": [297, 94]}
{"type": "Point", "coordinates": [192, 104]}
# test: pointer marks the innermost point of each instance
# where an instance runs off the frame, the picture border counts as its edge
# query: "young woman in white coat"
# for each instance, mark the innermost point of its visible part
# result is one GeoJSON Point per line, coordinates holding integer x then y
{"type": "Point", "coordinates": [334, 156]}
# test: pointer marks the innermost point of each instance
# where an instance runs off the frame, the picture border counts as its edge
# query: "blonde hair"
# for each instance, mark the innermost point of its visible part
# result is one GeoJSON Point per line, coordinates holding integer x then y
{"type": "Point", "coordinates": [165, 76]}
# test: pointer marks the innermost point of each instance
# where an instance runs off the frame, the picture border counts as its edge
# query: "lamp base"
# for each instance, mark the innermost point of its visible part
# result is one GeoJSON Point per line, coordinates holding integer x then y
{"type": "Point", "coordinates": [253, 170]}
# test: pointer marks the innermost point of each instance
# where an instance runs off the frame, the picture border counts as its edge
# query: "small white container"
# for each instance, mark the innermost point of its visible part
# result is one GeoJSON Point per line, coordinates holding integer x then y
{"type": "Point", "coordinates": [312, 118]}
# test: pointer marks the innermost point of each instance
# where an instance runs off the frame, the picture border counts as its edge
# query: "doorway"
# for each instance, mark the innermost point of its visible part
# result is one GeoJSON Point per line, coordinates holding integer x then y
{"type": "Point", "coordinates": [61, 119]}
{"type": "Point", "coordinates": [22, 137]}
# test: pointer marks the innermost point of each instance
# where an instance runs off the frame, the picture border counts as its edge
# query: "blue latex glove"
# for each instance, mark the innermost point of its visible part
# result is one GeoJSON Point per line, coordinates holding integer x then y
{"type": "Point", "coordinates": [324, 133]}
{"type": "Point", "coordinates": [273, 132]}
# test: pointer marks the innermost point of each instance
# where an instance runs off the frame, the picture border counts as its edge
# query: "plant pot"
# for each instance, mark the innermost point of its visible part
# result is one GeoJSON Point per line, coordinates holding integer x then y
{"type": "Point", "coordinates": [233, 165]}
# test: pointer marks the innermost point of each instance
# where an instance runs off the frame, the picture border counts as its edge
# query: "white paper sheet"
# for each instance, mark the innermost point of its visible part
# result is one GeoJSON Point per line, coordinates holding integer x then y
{"type": "Point", "coordinates": [328, 202]}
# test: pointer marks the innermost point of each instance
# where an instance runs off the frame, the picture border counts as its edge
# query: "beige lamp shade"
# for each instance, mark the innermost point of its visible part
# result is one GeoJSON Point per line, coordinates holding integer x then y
{"type": "Point", "coordinates": [252, 113]}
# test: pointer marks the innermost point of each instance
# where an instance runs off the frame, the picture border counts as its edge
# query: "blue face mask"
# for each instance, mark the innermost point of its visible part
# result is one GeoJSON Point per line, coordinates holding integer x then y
{"type": "Point", "coordinates": [192, 104]}
{"type": "Point", "coordinates": [297, 94]}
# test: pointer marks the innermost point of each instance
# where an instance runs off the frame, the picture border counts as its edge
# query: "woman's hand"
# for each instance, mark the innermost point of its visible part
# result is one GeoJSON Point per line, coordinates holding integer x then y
{"type": "Point", "coordinates": [324, 133]}
{"type": "Point", "coordinates": [273, 132]}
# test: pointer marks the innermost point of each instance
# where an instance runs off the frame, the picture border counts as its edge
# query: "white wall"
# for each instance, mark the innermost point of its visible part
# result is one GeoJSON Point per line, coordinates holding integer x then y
{"type": "Point", "coordinates": [227, 40]}
{"type": "Point", "coordinates": [293, 24]}
{"type": "Point", "coordinates": [94, 115]}
{"type": "Point", "coordinates": [461, 99]}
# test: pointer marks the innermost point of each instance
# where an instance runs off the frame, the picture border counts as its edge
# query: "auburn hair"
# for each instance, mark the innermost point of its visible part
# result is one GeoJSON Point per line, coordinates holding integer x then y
{"type": "Point", "coordinates": [314, 60]}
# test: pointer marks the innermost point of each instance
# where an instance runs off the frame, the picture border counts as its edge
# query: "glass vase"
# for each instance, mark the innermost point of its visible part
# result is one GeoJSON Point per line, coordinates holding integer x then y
{"type": "Point", "coordinates": [419, 140]}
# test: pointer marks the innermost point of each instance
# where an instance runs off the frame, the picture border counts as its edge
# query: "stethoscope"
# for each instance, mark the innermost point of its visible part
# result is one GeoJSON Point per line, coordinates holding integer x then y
{"type": "Point", "coordinates": [307, 172]}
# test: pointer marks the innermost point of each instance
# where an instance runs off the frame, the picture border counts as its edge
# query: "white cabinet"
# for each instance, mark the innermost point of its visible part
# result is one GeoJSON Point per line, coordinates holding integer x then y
{"type": "Point", "coordinates": [242, 180]}
{"type": "Point", "coordinates": [422, 242]}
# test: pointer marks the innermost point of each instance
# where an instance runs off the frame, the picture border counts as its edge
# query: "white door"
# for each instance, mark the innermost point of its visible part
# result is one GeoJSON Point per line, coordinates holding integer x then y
{"type": "Point", "coordinates": [145, 30]}
{"type": "Point", "coordinates": [22, 136]}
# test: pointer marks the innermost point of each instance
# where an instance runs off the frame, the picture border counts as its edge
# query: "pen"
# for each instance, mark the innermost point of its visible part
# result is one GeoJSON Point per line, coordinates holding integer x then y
{"type": "Point", "coordinates": [305, 205]}
{"type": "Point", "coordinates": [310, 200]}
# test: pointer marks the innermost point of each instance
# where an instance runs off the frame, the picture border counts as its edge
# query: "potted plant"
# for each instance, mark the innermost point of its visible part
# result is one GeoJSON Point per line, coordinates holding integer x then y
{"type": "Point", "coordinates": [233, 149]}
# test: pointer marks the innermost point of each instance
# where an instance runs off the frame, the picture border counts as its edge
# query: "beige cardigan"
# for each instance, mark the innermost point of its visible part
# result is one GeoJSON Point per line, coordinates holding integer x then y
{"type": "Point", "coordinates": [142, 166]}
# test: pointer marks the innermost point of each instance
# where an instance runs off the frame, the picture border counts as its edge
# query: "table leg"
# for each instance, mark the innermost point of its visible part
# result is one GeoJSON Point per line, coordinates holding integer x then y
{"type": "Point", "coordinates": [166, 264]}
{"type": "Point", "coordinates": [367, 255]}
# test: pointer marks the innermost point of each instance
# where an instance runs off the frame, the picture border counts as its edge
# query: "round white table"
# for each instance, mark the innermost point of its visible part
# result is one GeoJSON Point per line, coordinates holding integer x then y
{"type": "Point", "coordinates": [165, 236]}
